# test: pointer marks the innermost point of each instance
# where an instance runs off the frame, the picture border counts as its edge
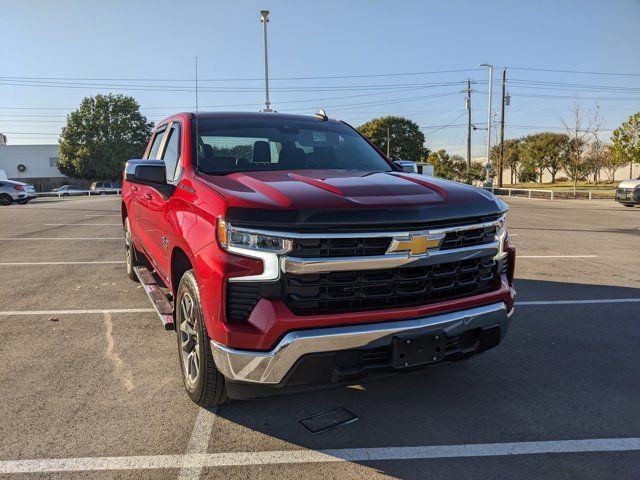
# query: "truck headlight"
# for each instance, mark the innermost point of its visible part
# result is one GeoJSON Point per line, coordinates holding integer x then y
{"type": "Point", "coordinates": [242, 241]}
{"type": "Point", "coordinates": [231, 237]}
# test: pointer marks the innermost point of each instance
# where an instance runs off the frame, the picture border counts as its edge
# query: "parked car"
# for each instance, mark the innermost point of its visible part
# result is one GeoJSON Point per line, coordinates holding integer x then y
{"type": "Point", "coordinates": [628, 193]}
{"type": "Point", "coordinates": [289, 253]}
{"type": "Point", "coordinates": [103, 188]}
{"type": "Point", "coordinates": [11, 191]}
{"type": "Point", "coordinates": [67, 190]}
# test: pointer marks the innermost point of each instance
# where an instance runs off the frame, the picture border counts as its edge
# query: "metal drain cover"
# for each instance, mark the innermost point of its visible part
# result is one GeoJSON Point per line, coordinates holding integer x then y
{"type": "Point", "coordinates": [327, 420]}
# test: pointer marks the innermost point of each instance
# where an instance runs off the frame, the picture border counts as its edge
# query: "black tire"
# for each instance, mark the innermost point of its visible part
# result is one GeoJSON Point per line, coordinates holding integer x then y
{"type": "Point", "coordinates": [6, 199]}
{"type": "Point", "coordinates": [22, 201]}
{"type": "Point", "coordinates": [133, 257]}
{"type": "Point", "coordinates": [628, 205]}
{"type": "Point", "coordinates": [204, 385]}
{"type": "Point", "coordinates": [65, 194]}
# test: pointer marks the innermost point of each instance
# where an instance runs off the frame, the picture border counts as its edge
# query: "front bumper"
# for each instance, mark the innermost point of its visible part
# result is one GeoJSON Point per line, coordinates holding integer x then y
{"type": "Point", "coordinates": [273, 367]}
{"type": "Point", "coordinates": [628, 197]}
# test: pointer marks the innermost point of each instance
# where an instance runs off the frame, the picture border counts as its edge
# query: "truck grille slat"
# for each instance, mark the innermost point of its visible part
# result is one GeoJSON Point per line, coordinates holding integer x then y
{"type": "Point", "coordinates": [371, 289]}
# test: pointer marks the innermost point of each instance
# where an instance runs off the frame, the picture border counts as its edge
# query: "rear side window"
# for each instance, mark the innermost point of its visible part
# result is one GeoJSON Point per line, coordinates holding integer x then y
{"type": "Point", "coordinates": [171, 155]}
{"type": "Point", "coordinates": [155, 146]}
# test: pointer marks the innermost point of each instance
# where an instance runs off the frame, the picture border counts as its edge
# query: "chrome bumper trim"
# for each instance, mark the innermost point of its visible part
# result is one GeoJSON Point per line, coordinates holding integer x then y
{"type": "Point", "coordinates": [300, 266]}
{"type": "Point", "coordinates": [369, 234]}
{"type": "Point", "coordinates": [271, 367]}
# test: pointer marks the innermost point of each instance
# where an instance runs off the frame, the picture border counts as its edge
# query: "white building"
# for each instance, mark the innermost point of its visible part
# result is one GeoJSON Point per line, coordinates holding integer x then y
{"type": "Point", "coordinates": [34, 164]}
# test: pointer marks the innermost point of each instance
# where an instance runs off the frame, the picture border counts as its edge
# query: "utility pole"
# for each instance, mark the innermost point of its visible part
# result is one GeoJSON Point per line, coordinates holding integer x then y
{"type": "Point", "coordinates": [388, 141]}
{"type": "Point", "coordinates": [488, 182]}
{"type": "Point", "coordinates": [468, 102]}
{"type": "Point", "coordinates": [501, 162]}
{"type": "Point", "coordinates": [264, 18]}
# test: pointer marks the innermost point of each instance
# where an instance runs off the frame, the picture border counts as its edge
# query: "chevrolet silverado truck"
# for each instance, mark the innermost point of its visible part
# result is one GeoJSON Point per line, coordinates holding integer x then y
{"type": "Point", "coordinates": [288, 254]}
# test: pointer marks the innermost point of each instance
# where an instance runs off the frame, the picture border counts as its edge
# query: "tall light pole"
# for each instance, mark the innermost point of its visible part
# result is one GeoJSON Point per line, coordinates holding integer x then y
{"type": "Point", "coordinates": [264, 18]}
{"type": "Point", "coordinates": [488, 182]}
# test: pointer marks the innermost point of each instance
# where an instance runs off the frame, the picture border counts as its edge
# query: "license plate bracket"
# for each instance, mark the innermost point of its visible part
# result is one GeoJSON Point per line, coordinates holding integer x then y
{"type": "Point", "coordinates": [417, 349]}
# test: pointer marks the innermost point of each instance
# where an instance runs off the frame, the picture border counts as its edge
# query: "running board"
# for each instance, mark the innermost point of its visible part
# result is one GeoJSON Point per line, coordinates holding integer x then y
{"type": "Point", "coordinates": [161, 304]}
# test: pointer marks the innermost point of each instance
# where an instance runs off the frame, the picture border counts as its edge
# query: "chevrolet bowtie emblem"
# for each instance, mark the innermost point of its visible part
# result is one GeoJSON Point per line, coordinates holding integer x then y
{"type": "Point", "coordinates": [417, 244]}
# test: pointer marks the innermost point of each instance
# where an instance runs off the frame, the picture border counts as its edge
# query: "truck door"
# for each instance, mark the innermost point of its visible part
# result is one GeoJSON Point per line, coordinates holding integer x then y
{"type": "Point", "coordinates": [159, 228]}
{"type": "Point", "coordinates": [140, 217]}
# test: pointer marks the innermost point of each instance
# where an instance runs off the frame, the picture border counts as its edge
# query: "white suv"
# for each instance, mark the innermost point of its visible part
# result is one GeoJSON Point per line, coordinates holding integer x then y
{"type": "Point", "coordinates": [18, 192]}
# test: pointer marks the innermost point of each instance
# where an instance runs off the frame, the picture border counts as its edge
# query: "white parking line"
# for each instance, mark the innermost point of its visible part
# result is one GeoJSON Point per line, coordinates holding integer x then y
{"type": "Point", "coordinates": [199, 441]}
{"type": "Point", "coordinates": [74, 312]}
{"type": "Point", "coordinates": [60, 238]}
{"type": "Point", "coordinates": [578, 302]}
{"type": "Point", "coordinates": [104, 215]}
{"type": "Point", "coordinates": [22, 264]}
{"type": "Point", "coordinates": [202, 460]}
{"type": "Point", "coordinates": [556, 256]}
{"type": "Point", "coordinates": [82, 224]}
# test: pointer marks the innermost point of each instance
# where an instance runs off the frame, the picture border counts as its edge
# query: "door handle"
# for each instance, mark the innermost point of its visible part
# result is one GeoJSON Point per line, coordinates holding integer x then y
{"type": "Point", "coordinates": [135, 188]}
{"type": "Point", "coordinates": [148, 196]}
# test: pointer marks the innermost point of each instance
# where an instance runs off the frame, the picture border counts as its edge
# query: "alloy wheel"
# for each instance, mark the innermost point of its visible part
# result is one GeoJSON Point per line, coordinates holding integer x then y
{"type": "Point", "coordinates": [189, 340]}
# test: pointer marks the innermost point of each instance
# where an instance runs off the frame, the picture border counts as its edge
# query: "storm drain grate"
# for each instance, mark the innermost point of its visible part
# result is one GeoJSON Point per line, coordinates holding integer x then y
{"type": "Point", "coordinates": [327, 420]}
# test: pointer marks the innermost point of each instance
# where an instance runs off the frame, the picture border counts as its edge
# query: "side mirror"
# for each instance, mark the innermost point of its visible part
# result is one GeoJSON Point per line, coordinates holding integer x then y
{"type": "Point", "coordinates": [146, 172]}
{"type": "Point", "coordinates": [407, 165]}
{"type": "Point", "coordinates": [152, 173]}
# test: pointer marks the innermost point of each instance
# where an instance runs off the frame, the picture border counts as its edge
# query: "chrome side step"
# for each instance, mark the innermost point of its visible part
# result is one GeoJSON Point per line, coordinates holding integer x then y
{"type": "Point", "coordinates": [161, 304]}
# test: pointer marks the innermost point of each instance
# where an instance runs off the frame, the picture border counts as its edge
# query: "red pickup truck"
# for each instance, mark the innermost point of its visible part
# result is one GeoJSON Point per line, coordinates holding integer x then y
{"type": "Point", "coordinates": [289, 253]}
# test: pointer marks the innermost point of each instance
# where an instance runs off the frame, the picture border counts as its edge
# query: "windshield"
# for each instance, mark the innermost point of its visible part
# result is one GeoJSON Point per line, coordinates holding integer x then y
{"type": "Point", "coordinates": [249, 145]}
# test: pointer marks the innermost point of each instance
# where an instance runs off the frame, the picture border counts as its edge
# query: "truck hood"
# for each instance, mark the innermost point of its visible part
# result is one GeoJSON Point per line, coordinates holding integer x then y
{"type": "Point", "coordinates": [629, 183]}
{"type": "Point", "coordinates": [343, 199]}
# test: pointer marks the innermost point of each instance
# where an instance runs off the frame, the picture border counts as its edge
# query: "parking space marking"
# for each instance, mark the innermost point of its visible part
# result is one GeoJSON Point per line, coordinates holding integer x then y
{"type": "Point", "coordinates": [578, 302]}
{"type": "Point", "coordinates": [202, 460]}
{"type": "Point", "coordinates": [556, 256]}
{"type": "Point", "coordinates": [60, 238]}
{"type": "Point", "coordinates": [199, 441]}
{"type": "Point", "coordinates": [82, 224]}
{"type": "Point", "coordinates": [7, 313]}
{"type": "Point", "coordinates": [104, 215]}
{"type": "Point", "coordinates": [22, 264]}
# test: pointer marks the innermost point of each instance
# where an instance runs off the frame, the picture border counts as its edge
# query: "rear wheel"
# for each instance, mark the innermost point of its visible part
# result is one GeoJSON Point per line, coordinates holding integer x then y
{"type": "Point", "coordinates": [133, 257]}
{"type": "Point", "coordinates": [202, 380]}
{"type": "Point", "coordinates": [5, 199]}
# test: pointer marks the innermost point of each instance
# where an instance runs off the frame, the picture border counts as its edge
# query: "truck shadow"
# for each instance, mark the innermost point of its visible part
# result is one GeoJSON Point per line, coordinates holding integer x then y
{"type": "Point", "coordinates": [556, 376]}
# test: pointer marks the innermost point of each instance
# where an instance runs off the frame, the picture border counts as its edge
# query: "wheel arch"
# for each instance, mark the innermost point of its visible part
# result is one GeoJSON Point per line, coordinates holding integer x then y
{"type": "Point", "coordinates": [180, 263]}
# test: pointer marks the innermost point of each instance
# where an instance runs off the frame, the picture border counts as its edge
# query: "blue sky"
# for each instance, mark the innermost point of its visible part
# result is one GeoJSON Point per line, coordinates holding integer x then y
{"type": "Point", "coordinates": [147, 49]}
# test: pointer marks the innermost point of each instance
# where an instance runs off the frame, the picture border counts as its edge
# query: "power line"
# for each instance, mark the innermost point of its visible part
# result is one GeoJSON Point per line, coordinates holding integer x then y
{"type": "Point", "coordinates": [322, 77]}
{"type": "Point", "coordinates": [575, 71]}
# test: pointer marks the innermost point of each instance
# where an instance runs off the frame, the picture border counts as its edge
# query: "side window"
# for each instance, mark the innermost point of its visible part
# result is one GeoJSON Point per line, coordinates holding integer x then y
{"type": "Point", "coordinates": [155, 146]}
{"type": "Point", "coordinates": [171, 155]}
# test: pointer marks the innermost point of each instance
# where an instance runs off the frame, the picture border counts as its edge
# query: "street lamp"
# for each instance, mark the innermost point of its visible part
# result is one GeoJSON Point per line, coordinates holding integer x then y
{"type": "Point", "coordinates": [264, 18]}
{"type": "Point", "coordinates": [488, 182]}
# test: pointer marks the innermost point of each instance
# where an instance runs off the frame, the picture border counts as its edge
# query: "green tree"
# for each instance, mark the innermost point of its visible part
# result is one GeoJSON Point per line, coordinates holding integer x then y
{"type": "Point", "coordinates": [626, 142]}
{"type": "Point", "coordinates": [101, 135]}
{"type": "Point", "coordinates": [399, 136]}
{"type": "Point", "coordinates": [511, 157]}
{"type": "Point", "coordinates": [545, 150]}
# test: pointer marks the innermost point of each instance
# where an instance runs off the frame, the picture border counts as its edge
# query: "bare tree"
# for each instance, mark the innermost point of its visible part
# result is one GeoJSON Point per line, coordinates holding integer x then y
{"type": "Point", "coordinates": [580, 128]}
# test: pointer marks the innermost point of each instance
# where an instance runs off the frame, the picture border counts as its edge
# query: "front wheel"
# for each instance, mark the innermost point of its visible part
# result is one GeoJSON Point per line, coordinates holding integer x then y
{"type": "Point", "coordinates": [202, 380]}
{"type": "Point", "coordinates": [628, 205]}
{"type": "Point", "coordinates": [22, 201]}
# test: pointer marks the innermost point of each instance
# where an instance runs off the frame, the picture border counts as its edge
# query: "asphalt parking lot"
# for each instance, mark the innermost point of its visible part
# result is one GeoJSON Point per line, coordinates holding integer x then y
{"type": "Point", "coordinates": [90, 385]}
